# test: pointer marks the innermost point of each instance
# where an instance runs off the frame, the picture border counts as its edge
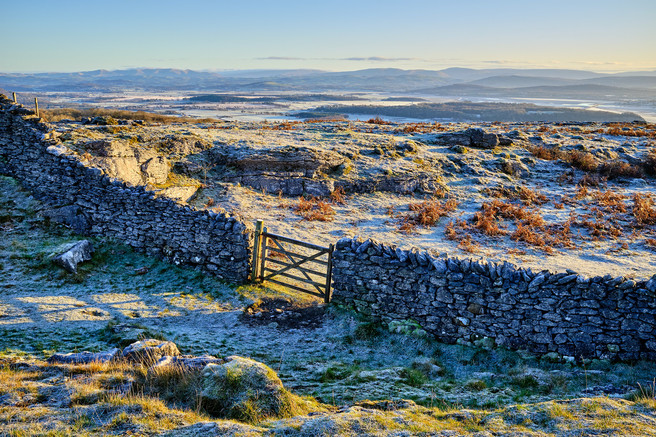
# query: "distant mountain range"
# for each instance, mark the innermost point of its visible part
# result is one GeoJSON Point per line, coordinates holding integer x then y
{"type": "Point", "coordinates": [450, 82]}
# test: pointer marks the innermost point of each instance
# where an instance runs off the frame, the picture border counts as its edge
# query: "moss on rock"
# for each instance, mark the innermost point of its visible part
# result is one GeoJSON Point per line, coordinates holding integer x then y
{"type": "Point", "coordinates": [250, 391]}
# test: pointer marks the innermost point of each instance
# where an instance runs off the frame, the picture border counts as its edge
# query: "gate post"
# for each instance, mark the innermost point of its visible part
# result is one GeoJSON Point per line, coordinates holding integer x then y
{"type": "Point", "coordinates": [256, 249]}
{"type": "Point", "coordinates": [329, 275]}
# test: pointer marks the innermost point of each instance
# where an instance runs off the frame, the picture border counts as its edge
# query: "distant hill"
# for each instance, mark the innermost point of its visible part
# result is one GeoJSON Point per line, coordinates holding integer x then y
{"type": "Point", "coordinates": [584, 91]}
{"type": "Point", "coordinates": [502, 82]}
{"type": "Point", "coordinates": [625, 81]}
{"type": "Point", "coordinates": [516, 81]}
{"type": "Point", "coordinates": [470, 74]}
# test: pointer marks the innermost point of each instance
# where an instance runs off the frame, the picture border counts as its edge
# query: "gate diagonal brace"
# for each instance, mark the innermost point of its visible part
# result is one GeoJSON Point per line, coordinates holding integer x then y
{"type": "Point", "coordinates": [295, 264]}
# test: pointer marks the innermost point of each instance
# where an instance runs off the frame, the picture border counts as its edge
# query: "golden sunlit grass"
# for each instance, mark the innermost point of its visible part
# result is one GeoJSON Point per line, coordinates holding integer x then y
{"type": "Point", "coordinates": [108, 397]}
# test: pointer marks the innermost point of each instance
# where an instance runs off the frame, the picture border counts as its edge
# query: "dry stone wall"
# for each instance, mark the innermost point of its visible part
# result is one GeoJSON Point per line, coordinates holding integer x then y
{"type": "Point", "coordinates": [94, 204]}
{"type": "Point", "coordinates": [454, 299]}
{"type": "Point", "coordinates": [465, 300]}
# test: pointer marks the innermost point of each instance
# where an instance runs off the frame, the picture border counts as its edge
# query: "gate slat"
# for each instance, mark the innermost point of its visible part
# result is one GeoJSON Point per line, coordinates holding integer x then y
{"type": "Point", "coordinates": [304, 290]}
{"type": "Point", "coordinates": [292, 241]}
{"type": "Point", "coordinates": [294, 254]}
{"type": "Point", "coordinates": [282, 263]}
{"type": "Point", "coordinates": [297, 278]}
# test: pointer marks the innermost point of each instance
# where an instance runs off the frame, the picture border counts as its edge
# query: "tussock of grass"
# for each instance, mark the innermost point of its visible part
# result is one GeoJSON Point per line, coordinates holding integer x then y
{"type": "Point", "coordinates": [426, 214]}
{"type": "Point", "coordinates": [643, 209]}
{"type": "Point", "coordinates": [313, 208]}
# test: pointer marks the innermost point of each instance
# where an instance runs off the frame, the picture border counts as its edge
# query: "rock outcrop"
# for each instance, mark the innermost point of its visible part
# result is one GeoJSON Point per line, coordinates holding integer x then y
{"type": "Point", "coordinates": [73, 254]}
{"type": "Point", "coordinates": [246, 390]}
{"type": "Point", "coordinates": [85, 357]}
{"type": "Point", "coordinates": [149, 351]}
{"type": "Point", "coordinates": [476, 138]}
{"type": "Point", "coordinates": [292, 171]}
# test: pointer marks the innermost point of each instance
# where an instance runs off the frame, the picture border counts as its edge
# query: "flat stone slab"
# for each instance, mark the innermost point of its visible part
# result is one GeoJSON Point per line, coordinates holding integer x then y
{"type": "Point", "coordinates": [85, 357]}
{"type": "Point", "coordinates": [71, 255]}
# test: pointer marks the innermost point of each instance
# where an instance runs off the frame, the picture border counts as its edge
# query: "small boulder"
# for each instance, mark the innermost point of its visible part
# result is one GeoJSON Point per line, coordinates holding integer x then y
{"type": "Point", "coordinates": [473, 137]}
{"type": "Point", "coordinates": [149, 351]}
{"type": "Point", "coordinates": [85, 357]}
{"type": "Point", "coordinates": [513, 168]}
{"type": "Point", "coordinates": [486, 343]}
{"type": "Point", "coordinates": [480, 139]}
{"type": "Point", "coordinates": [247, 390]}
{"type": "Point", "coordinates": [70, 255]}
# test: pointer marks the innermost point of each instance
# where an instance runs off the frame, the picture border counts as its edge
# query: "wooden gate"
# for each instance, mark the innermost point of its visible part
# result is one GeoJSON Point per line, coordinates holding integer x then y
{"type": "Point", "coordinates": [291, 263]}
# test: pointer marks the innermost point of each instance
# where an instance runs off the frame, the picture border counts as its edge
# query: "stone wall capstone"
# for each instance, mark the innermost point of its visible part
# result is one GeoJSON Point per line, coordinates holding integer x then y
{"type": "Point", "coordinates": [93, 204]}
{"type": "Point", "coordinates": [465, 300]}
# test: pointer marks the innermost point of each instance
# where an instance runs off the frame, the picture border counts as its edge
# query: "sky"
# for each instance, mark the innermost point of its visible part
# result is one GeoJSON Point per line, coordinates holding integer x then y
{"type": "Point", "coordinates": [68, 35]}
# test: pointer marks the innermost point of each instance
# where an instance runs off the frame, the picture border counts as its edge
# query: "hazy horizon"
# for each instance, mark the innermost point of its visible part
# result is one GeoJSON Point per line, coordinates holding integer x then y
{"type": "Point", "coordinates": [269, 70]}
{"type": "Point", "coordinates": [70, 36]}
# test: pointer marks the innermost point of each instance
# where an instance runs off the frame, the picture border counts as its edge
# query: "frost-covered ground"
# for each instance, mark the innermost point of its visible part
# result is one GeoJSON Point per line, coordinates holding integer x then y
{"type": "Point", "coordinates": [597, 207]}
{"type": "Point", "coordinates": [328, 353]}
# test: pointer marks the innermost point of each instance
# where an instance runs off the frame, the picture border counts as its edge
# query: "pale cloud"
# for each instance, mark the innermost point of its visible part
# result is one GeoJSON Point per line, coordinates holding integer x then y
{"type": "Point", "coordinates": [282, 58]}
{"type": "Point", "coordinates": [354, 58]}
{"type": "Point", "coordinates": [377, 59]}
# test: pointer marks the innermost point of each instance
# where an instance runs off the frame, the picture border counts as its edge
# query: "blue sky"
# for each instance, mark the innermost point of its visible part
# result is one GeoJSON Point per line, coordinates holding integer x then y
{"type": "Point", "coordinates": [63, 35]}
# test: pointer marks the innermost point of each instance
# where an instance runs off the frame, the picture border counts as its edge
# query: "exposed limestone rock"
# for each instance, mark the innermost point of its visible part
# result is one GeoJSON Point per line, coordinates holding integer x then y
{"type": "Point", "coordinates": [149, 351]}
{"type": "Point", "coordinates": [183, 194]}
{"type": "Point", "coordinates": [420, 183]}
{"type": "Point", "coordinates": [70, 255]}
{"type": "Point", "coordinates": [156, 170]}
{"type": "Point", "coordinates": [305, 160]}
{"type": "Point", "coordinates": [131, 164]}
{"type": "Point", "coordinates": [473, 137]}
{"type": "Point", "coordinates": [85, 357]}
{"type": "Point", "coordinates": [292, 171]}
{"type": "Point", "coordinates": [124, 168]}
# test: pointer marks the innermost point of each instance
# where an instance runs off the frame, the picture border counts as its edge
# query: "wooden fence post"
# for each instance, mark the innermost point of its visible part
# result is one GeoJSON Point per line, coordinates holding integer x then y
{"type": "Point", "coordinates": [263, 255]}
{"type": "Point", "coordinates": [256, 250]}
{"type": "Point", "coordinates": [36, 106]}
{"type": "Point", "coordinates": [329, 275]}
